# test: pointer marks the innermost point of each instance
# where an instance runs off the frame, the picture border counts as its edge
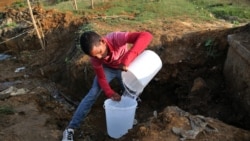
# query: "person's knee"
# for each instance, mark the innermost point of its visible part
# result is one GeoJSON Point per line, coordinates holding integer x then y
{"type": "Point", "coordinates": [94, 91]}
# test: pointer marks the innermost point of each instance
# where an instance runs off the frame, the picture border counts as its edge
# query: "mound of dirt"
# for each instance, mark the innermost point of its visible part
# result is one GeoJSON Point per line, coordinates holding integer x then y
{"type": "Point", "coordinates": [175, 124]}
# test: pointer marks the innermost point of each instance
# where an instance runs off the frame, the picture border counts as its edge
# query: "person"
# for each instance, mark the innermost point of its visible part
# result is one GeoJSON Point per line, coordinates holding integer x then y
{"type": "Point", "coordinates": [109, 56]}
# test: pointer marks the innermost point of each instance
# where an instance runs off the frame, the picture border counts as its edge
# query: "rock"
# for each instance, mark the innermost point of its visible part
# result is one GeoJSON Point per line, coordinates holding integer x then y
{"type": "Point", "coordinates": [12, 91]}
{"type": "Point", "coordinates": [199, 83]}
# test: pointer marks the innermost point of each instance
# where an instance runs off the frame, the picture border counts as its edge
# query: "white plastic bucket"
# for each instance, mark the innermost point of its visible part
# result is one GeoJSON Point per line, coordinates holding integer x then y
{"type": "Point", "coordinates": [141, 71]}
{"type": "Point", "coordinates": [119, 116]}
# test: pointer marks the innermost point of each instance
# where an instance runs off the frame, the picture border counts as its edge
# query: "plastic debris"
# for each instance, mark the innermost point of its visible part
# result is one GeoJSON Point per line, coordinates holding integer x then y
{"type": "Point", "coordinates": [19, 69]}
{"type": "Point", "coordinates": [12, 91]}
{"type": "Point", "coordinates": [155, 114]}
{"type": "Point", "coordinates": [198, 124]}
{"type": "Point", "coordinates": [135, 122]}
{"type": "Point", "coordinates": [4, 56]}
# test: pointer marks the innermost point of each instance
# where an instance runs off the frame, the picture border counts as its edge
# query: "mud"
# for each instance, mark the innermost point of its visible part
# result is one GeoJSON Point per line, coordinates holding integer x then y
{"type": "Point", "coordinates": [58, 77]}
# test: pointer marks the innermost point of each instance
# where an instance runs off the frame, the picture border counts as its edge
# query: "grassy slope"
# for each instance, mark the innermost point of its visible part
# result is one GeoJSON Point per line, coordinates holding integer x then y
{"type": "Point", "coordinates": [145, 10]}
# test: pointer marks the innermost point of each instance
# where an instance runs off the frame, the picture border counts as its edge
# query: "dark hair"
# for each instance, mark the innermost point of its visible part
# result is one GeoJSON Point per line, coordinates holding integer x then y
{"type": "Point", "coordinates": [88, 39]}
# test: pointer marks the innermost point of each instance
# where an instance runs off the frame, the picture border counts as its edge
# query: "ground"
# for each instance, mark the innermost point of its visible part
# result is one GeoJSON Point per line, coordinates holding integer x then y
{"type": "Point", "coordinates": [54, 80]}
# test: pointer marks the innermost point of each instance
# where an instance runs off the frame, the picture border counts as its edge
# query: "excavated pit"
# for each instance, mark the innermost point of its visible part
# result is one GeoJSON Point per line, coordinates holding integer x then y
{"type": "Point", "coordinates": [191, 78]}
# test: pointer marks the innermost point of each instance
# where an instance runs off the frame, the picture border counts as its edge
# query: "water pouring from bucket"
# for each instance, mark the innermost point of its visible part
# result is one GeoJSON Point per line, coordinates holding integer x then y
{"type": "Point", "coordinates": [120, 115]}
{"type": "Point", "coordinates": [140, 72]}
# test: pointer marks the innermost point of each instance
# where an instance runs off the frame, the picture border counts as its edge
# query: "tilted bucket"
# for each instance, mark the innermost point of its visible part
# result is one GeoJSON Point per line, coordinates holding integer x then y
{"type": "Point", "coordinates": [119, 116]}
{"type": "Point", "coordinates": [141, 71]}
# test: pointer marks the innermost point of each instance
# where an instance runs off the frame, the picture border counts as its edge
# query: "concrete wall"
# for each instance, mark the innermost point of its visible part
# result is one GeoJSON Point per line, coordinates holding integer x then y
{"type": "Point", "coordinates": [237, 71]}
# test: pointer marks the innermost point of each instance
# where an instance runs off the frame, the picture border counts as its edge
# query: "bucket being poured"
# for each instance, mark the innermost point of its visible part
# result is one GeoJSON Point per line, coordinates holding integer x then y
{"type": "Point", "coordinates": [140, 72]}
{"type": "Point", "coordinates": [119, 116]}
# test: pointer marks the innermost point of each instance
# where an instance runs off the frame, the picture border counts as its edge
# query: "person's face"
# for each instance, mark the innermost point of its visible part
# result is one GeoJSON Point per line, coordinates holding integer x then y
{"type": "Point", "coordinates": [99, 51]}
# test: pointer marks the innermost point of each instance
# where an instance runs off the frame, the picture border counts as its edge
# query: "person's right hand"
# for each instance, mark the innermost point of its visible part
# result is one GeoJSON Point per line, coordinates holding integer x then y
{"type": "Point", "coordinates": [116, 97]}
{"type": "Point", "coordinates": [123, 67]}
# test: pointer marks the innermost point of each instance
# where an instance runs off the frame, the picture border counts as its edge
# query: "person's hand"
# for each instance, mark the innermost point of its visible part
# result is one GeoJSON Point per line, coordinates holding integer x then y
{"type": "Point", "coordinates": [116, 97]}
{"type": "Point", "coordinates": [123, 67]}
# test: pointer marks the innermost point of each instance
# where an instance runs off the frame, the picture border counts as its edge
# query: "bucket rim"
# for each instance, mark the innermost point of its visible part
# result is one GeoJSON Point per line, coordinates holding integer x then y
{"type": "Point", "coordinates": [118, 108]}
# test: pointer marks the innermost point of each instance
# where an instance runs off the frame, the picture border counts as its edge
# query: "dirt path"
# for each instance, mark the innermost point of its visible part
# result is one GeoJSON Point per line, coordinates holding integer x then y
{"type": "Point", "coordinates": [4, 4]}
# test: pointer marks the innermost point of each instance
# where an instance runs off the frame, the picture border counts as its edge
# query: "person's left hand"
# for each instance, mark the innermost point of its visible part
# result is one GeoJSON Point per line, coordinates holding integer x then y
{"type": "Point", "coordinates": [116, 97]}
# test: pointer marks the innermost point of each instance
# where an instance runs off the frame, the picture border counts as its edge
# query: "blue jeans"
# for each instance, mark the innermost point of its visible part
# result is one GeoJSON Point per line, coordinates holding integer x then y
{"type": "Point", "coordinates": [85, 105]}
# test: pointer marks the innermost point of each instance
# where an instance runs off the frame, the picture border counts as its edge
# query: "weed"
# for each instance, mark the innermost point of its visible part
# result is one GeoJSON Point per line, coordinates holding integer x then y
{"type": "Point", "coordinates": [19, 4]}
{"type": "Point", "coordinates": [1, 15]}
{"type": "Point", "coordinates": [211, 49]}
{"type": "Point", "coordinates": [82, 29]}
{"type": "Point", "coordinates": [67, 60]}
{"type": "Point", "coordinates": [77, 49]}
{"type": "Point", "coordinates": [6, 110]}
{"type": "Point", "coordinates": [9, 25]}
{"type": "Point", "coordinates": [86, 27]}
{"type": "Point", "coordinates": [236, 23]}
{"type": "Point", "coordinates": [13, 24]}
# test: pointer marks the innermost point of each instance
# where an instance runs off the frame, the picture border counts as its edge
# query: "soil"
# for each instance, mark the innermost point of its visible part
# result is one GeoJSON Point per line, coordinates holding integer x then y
{"type": "Point", "coordinates": [54, 80]}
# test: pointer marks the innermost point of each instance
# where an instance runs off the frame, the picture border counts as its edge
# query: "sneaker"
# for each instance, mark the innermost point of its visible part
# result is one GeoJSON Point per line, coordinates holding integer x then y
{"type": "Point", "coordinates": [68, 135]}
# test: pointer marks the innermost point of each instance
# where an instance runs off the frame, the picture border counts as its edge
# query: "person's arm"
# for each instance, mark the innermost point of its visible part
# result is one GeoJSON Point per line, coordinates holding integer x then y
{"type": "Point", "coordinates": [102, 81]}
{"type": "Point", "coordinates": [140, 41]}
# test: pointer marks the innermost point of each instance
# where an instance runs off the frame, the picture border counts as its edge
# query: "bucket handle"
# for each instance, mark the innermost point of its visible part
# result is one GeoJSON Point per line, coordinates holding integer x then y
{"type": "Point", "coordinates": [130, 92]}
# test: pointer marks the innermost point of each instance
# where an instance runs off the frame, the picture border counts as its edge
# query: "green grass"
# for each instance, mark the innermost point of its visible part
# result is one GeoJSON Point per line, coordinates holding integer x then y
{"type": "Point", "coordinates": [141, 10]}
{"type": "Point", "coordinates": [234, 11]}
{"type": "Point", "coordinates": [12, 24]}
{"type": "Point", "coordinates": [146, 10]}
{"type": "Point", "coordinates": [227, 11]}
{"type": "Point", "coordinates": [6, 110]}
